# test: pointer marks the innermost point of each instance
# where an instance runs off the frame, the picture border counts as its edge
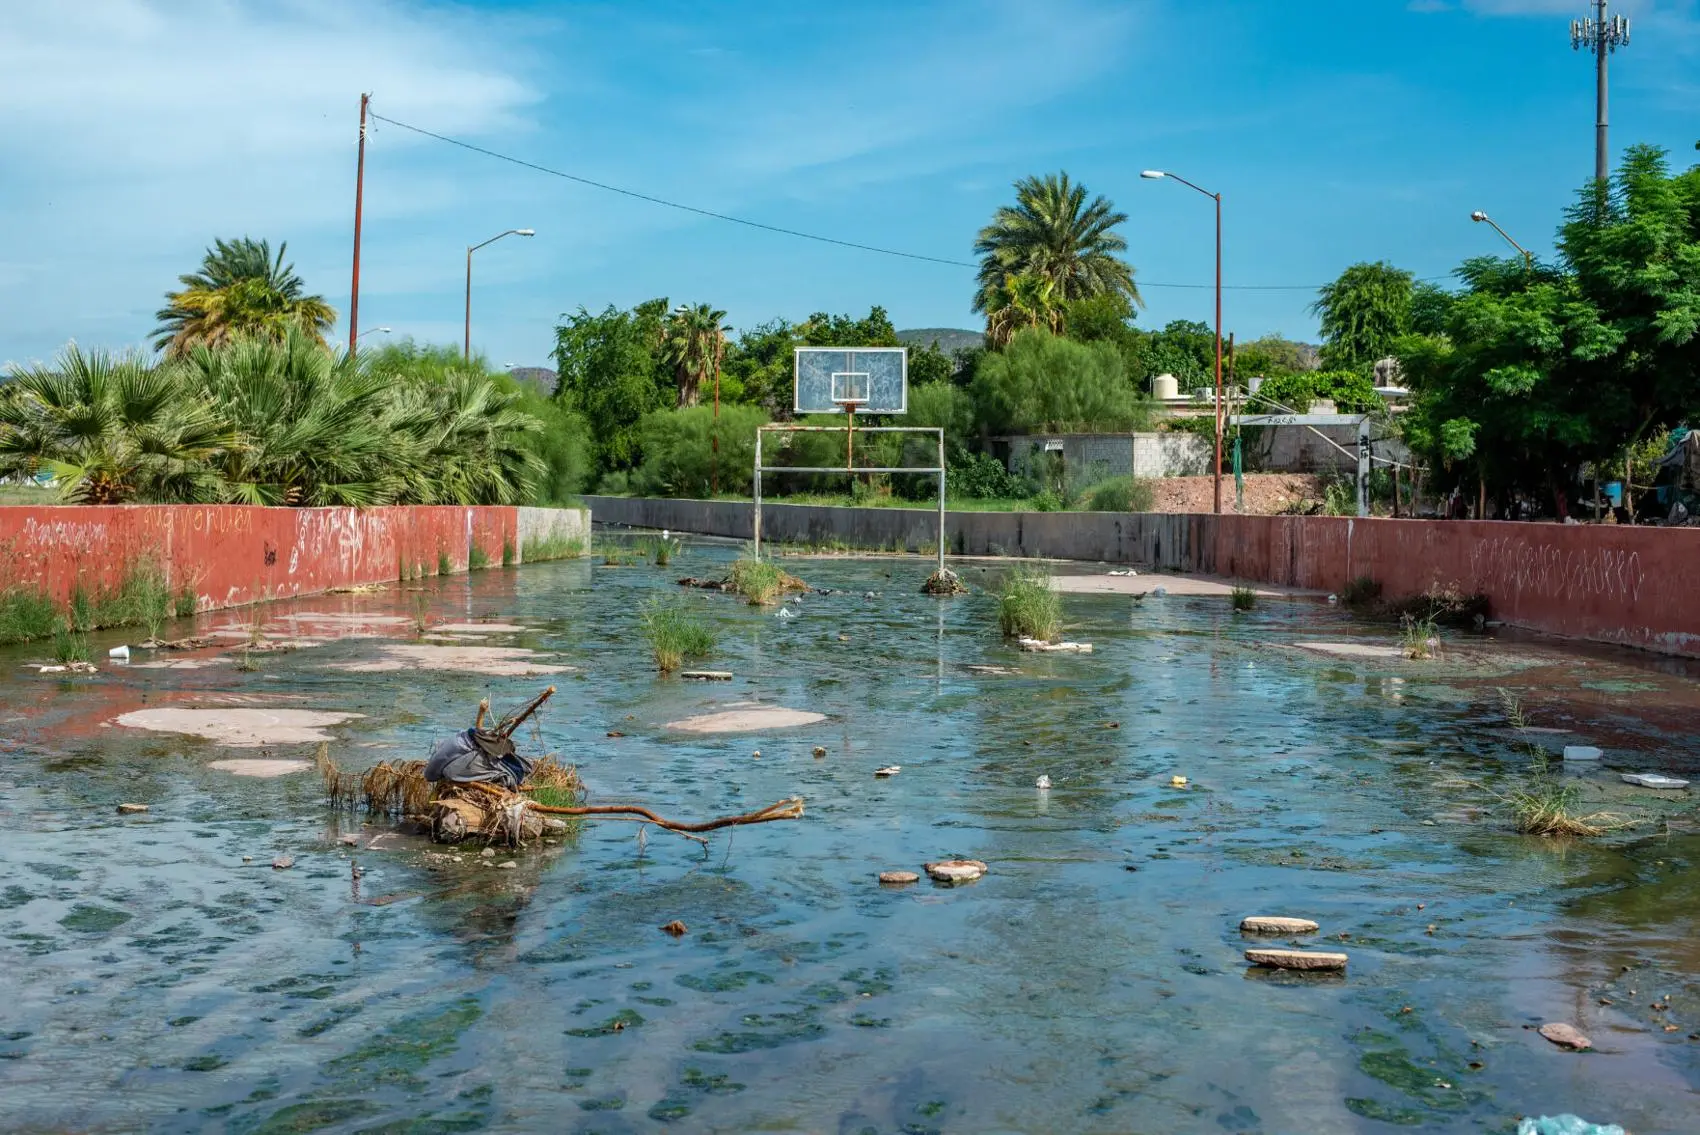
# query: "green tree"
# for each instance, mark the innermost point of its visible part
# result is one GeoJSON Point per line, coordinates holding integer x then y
{"type": "Point", "coordinates": [612, 371]}
{"type": "Point", "coordinates": [678, 450]}
{"type": "Point", "coordinates": [1363, 313]}
{"type": "Point", "coordinates": [1025, 300]}
{"type": "Point", "coordinates": [241, 291]}
{"type": "Point", "coordinates": [693, 343]}
{"type": "Point", "coordinates": [823, 330]}
{"type": "Point", "coordinates": [1271, 356]}
{"type": "Point", "coordinates": [1053, 232]}
{"type": "Point", "coordinates": [1041, 382]}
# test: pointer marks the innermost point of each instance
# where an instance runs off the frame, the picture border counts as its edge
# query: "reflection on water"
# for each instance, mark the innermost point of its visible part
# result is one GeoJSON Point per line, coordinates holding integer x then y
{"type": "Point", "coordinates": [163, 977]}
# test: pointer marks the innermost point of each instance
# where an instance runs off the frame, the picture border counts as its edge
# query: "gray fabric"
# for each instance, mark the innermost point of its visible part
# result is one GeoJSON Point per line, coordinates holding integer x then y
{"type": "Point", "coordinates": [468, 757]}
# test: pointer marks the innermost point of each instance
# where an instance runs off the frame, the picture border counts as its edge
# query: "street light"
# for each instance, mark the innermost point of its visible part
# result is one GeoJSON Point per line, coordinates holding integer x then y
{"type": "Point", "coordinates": [1528, 257]}
{"type": "Point", "coordinates": [373, 331]}
{"type": "Point", "coordinates": [466, 349]}
{"type": "Point", "coordinates": [1158, 175]}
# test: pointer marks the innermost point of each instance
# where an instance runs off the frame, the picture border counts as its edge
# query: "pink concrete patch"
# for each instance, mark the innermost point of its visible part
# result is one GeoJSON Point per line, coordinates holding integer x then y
{"type": "Point", "coordinates": [481, 628]}
{"type": "Point", "coordinates": [240, 727]}
{"type": "Point", "coordinates": [752, 720]}
{"type": "Point", "coordinates": [261, 768]}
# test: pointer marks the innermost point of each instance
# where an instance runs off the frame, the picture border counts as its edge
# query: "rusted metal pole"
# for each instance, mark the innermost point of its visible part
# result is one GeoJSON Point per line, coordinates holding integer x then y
{"type": "Point", "coordinates": [1218, 485]}
{"type": "Point", "coordinates": [359, 192]}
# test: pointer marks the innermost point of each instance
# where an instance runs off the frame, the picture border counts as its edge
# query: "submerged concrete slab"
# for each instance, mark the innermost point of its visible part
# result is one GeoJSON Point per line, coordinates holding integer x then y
{"type": "Point", "coordinates": [1100, 583]}
{"type": "Point", "coordinates": [261, 768]}
{"type": "Point", "coordinates": [240, 727]}
{"type": "Point", "coordinates": [497, 661]}
{"type": "Point", "coordinates": [750, 720]}
{"type": "Point", "coordinates": [1353, 649]}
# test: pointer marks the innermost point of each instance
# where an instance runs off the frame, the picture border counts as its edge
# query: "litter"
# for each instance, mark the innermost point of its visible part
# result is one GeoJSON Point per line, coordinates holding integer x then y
{"type": "Point", "coordinates": [1653, 780]}
{"type": "Point", "coordinates": [131, 809]}
{"type": "Point", "coordinates": [1177, 782]}
{"type": "Point", "coordinates": [1042, 783]}
{"type": "Point", "coordinates": [707, 675]}
{"type": "Point", "coordinates": [1040, 646]}
{"type": "Point", "coordinates": [785, 613]}
{"type": "Point", "coordinates": [1160, 592]}
{"type": "Point", "coordinates": [888, 770]}
{"type": "Point", "coordinates": [1127, 571]}
{"type": "Point", "coordinates": [1582, 753]}
{"type": "Point", "coordinates": [1566, 1125]}
{"type": "Point", "coordinates": [121, 653]}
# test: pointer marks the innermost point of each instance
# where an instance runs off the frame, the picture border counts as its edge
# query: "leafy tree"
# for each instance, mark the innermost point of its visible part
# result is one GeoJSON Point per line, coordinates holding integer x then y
{"type": "Point", "coordinates": [1053, 232]}
{"type": "Point", "coordinates": [241, 291]}
{"type": "Point", "coordinates": [1041, 382]}
{"type": "Point", "coordinates": [110, 428]}
{"type": "Point", "coordinates": [612, 371]}
{"type": "Point", "coordinates": [1185, 348]}
{"type": "Point", "coordinates": [693, 343]}
{"type": "Point", "coordinates": [758, 367]}
{"type": "Point", "coordinates": [1271, 356]}
{"type": "Point", "coordinates": [928, 365]}
{"type": "Point", "coordinates": [823, 330]}
{"type": "Point", "coordinates": [1363, 313]}
{"type": "Point", "coordinates": [1351, 391]}
{"type": "Point", "coordinates": [678, 450]}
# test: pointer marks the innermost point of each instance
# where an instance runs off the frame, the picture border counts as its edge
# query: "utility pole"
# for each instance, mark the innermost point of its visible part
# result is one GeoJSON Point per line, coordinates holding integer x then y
{"type": "Point", "coordinates": [1601, 36]}
{"type": "Point", "coordinates": [359, 189]}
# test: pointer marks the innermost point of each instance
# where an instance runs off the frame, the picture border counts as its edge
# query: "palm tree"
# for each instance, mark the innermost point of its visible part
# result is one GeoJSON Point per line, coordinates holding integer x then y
{"type": "Point", "coordinates": [1053, 232]}
{"type": "Point", "coordinates": [693, 342]}
{"type": "Point", "coordinates": [110, 429]}
{"type": "Point", "coordinates": [242, 290]}
{"type": "Point", "coordinates": [1023, 300]}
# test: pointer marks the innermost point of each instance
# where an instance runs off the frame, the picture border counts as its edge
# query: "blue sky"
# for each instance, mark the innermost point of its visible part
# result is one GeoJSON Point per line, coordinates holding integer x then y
{"type": "Point", "coordinates": [1341, 130]}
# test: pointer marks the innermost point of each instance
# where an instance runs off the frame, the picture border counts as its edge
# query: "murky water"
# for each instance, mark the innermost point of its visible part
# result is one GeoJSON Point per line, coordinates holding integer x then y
{"type": "Point", "coordinates": [1092, 981]}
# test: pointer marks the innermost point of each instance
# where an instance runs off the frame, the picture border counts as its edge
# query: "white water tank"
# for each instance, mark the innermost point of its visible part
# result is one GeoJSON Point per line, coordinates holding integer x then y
{"type": "Point", "coordinates": [1165, 386]}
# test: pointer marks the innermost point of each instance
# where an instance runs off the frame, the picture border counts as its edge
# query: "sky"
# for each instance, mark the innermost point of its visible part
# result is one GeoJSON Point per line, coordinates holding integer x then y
{"type": "Point", "coordinates": [137, 131]}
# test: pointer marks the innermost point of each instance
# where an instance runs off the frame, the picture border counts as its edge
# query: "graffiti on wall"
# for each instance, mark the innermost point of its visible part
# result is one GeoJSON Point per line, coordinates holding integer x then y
{"type": "Point", "coordinates": [1516, 566]}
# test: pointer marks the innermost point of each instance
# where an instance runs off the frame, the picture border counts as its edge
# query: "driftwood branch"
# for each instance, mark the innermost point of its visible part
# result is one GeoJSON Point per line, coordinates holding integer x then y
{"type": "Point", "coordinates": [790, 809]}
{"type": "Point", "coordinates": [506, 728]}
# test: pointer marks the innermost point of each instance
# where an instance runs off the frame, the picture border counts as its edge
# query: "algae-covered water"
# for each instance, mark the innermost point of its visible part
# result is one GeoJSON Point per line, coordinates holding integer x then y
{"type": "Point", "coordinates": [162, 976]}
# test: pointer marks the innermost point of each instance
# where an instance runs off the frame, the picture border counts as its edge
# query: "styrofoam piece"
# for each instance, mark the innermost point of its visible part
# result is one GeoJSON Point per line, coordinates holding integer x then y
{"type": "Point", "coordinates": [1653, 780]}
{"type": "Point", "coordinates": [122, 653]}
{"type": "Point", "coordinates": [1582, 753]}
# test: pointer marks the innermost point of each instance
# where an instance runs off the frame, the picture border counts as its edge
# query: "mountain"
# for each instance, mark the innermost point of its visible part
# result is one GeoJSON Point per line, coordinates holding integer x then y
{"type": "Point", "coordinates": [949, 339]}
{"type": "Point", "coordinates": [541, 379]}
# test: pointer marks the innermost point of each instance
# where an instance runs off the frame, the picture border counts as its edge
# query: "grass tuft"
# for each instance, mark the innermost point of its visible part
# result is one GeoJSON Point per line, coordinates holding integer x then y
{"type": "Point", "coordinates": [1028, 607]}
{"type": "Point", "coordinates": [1363, 591]}
{"type": "Point", "coordinates": [444, 567]}
{"type": "Point", "coordinates": [1418, 637]}
{"type": "Point", "coordinates": [26, 616]}
{"type": "Point", "coordinates": [675, 634]}
{"type": "Point", "coordinates": [660, 550]}
{"type": "Point", "coordinates": [1515, 715]}
{"type": "Point", "coordinates": [477, 559]}
{"type": "Point", "coordinates": [1546, 805]}
{"type": "Point", "coordinates": [1243, 598]}
{"type": "Point", "coordinates": [507, 553]}
{"type": "Point", "coordinates": [421, 612]}
{"type": "Point", "coordinates": [552, 548]}
{"type": "Point", "coordinates": [70, 645]}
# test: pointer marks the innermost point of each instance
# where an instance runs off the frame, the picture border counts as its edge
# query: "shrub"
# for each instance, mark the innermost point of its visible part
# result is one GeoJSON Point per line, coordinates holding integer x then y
{"type": "Point", "coordinates": [1044, 383]}
{"type": "Point", "coordinates": [1028, 607]}
{"type": "Point", "coordinates": [70, 645]}
{"type": "Point", "coordinates": [674, 633]}
{"type": "Point", "coordinates": [980, 476]}
{"type": "Point", "coordinates": [1361, 592]}
{"type": "Point", "coordinates": [1120, 494]}
{"type": "Point", "coordinates": [444, 567]}
{"type": "Point", "coordinates": [150, 598]}
{"type": "Point", "coordinates": [507, 553]}
{"type": "Point", "coordinates": [660, 550]}
{"type": "Point", "coordinates": [1243, 598]}
{"type": "Point", "coordinates": [477, 559]}
{"type": "Point", "coordinates": [1047, 500]}
{"type": "Point", "coordinates": [186, 602]}
{"type": "Point", "coordinates": [26, 616]}
{"type": "Point", "coordinates": [678, 452]}
{"type": "Point", "coordinates": [1418, 637]}
{"type": "Point", "coordinates": [758, 581]}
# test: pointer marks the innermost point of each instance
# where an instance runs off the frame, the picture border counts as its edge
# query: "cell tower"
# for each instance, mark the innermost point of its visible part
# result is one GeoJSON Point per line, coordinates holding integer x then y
{"type": "Point", "coordinates": [1602, 36]}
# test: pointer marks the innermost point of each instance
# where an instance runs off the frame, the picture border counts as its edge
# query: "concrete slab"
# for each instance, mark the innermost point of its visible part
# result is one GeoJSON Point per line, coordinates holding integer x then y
{"type": "Point", "coordinates": [261, 768]}
{"type": "Point", "coordinates": [1100, 583]}
{"type": "Point", "coordinates": [752, 720]}
{"type": "Point", "coordinates": [1353, 649]}
{"type": "Point", "coordinates": [243, 728]}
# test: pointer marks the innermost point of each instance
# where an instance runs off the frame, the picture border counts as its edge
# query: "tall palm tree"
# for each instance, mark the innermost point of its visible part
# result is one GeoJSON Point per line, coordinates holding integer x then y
{"type": "Point", "coordinates": [110, 429]}
{"type": "Point", "coordinates": [242, 290]}
{"type": "Point", "coordinates": [1023, 300]}
{"type": "Point", "coordinates": [1053, 232]}
{"type": "Point", "coordinates": [693, 342]}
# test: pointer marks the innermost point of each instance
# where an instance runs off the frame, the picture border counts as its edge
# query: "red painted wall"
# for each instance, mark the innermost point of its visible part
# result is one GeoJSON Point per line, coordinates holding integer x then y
{"type": "Point", "coordinates": [234, 554]}
{"type": "Point", "coordinates": [1633, 585]}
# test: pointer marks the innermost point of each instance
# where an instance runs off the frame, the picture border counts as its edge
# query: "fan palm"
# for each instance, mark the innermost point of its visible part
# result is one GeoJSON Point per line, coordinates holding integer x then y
{"type": "Point", "coordinates": [693, 342]}
{"type": "Point", "coordinates": [1053, 232]}
{"type": "Point", "coordinates": [1022, 301]}
{"type": "Point", "coordinates": [242, 290]}
{"type": "Point", "coordinates": [110, 429]}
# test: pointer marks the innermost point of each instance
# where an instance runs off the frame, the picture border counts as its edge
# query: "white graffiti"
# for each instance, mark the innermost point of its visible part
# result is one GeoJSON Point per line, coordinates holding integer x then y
{"type": "Point", "coordinates": [1516, 565]}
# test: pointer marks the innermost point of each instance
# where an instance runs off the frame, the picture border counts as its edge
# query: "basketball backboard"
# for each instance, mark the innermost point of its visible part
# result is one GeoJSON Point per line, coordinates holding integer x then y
{"type": "Point", "coordinates": [871, 380]}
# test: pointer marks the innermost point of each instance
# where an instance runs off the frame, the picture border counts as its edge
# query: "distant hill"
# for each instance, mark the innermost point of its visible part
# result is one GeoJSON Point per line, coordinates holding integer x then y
{"type": "Point", "coordinates": [541, 379]}
{"type": "Point", "coordinates": [949, 339]}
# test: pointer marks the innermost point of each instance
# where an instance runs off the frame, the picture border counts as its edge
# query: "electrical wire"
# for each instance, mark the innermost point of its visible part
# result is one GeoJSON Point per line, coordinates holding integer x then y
{"type": "Point", "coordinates": [798, 233]}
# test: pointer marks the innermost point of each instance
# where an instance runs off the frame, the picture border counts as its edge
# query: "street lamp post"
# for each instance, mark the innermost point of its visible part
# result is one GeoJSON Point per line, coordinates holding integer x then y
{"type": "Point", "coordinates": [373, 331]}
{"type": "Point", "coordinates": [1156, 175]}
{"type": "Point", "coordinates": [466, 348]}
{"type": "Point", "coordinates": [1528, 257]}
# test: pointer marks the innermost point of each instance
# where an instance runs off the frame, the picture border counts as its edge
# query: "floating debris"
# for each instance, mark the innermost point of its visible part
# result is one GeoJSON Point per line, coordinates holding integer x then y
{"type": "Point", "coordinates": [888, 770]}
{"type": "Point", "coordinates": [119, 653]}
{"type": "Point", "coordinates": [676, 928]}
{"type": "Point", "coordinates": [1296, 959]}
{"type": "Point", "coordinates": [1653, 780]}
{"type": "Point", "coordinates": [1044, 782]}
{"type": "Point", "coordinates": [282, 863]}
{"type": "Point", "coordinates": [1582, 753]}
{"type": "Point", "coordinates": [785, 613]}
{"type": "Point", "coordinates": [820, 750]}
{"type": "Point", "coordinates": [1566, 1036]}
{"type": "Point", "coordinates": [1177, 782]}
{"type": "Point", "coordinates": [1040, 646]}
{"type": "Point", "coordinates": [131, 809]}
{"type": "Point", "coordinates": [706, 675]}
{"type": "Point", "coordinates": [954, 871]}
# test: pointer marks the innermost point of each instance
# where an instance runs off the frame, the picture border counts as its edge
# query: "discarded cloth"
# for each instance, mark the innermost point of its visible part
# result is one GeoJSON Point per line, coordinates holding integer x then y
{"type": "Point", "coordinates": [477, 755]}
{"type": "Point", "coordinates": [1566, 1125]}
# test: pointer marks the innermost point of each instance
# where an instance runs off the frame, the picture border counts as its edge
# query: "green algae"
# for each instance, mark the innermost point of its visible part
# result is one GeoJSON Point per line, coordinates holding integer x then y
{"type": "Point", "coordinates": [87, 919]}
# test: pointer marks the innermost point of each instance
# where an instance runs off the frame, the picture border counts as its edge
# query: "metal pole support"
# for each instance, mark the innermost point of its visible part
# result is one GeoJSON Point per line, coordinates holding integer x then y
{"type": "Point", "coordinates": [1363, 466]}
{"type": "Point", "coordinates": [757, 518]}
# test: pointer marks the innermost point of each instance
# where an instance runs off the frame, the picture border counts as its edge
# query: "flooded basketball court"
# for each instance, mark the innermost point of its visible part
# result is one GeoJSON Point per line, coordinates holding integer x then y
{"type": "Point", "coordinates": [163, 976]}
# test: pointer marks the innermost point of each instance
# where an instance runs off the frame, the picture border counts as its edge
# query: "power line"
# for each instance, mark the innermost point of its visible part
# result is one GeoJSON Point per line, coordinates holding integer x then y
{"type": "Point", "coordinates": [701, 212]}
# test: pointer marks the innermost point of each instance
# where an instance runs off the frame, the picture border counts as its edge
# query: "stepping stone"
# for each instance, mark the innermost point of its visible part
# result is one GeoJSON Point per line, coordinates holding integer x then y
{"type": "Point", "coordinates": [1296, 959]}
{"type": "Point", "coordinates": [1566, 1036]}
{"type": "Point", "coordinates": [707, 675]}
{"type": "Point", "coordinates": [131, 809]}
{"type": "Point", "coordinates": [1653, 780]}
{"type": "Point", "coordinates": [898, 878]}
{"type": "Point", "coordinates": [955, 871]}
{"type": "Point", "coordinates": [1277, 924]}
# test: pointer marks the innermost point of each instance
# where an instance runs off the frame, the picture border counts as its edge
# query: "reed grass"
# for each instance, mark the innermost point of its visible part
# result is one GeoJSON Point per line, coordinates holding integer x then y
{"type": "Point", "coordinates": [1028, 607]}
{"type": "Point", "coordinates": [1242, 598]}
{"type": "Point", "coordinates": [675, 634]}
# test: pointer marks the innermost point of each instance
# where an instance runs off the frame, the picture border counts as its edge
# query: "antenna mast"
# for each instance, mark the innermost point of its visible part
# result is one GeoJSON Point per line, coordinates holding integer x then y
{"type": "Point", "coordinates": [1601, 36]}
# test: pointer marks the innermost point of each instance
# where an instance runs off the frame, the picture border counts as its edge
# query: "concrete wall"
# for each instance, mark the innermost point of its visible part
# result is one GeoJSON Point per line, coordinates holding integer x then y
{"type": "Point", "coordinates": [1095, 457]}
{"type": "Point", "coordinates": [1635, 586]}
{"type": "Point", "coordinates": [541, 525]}
{"type": "Point", "coordinates": [233, 554]}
